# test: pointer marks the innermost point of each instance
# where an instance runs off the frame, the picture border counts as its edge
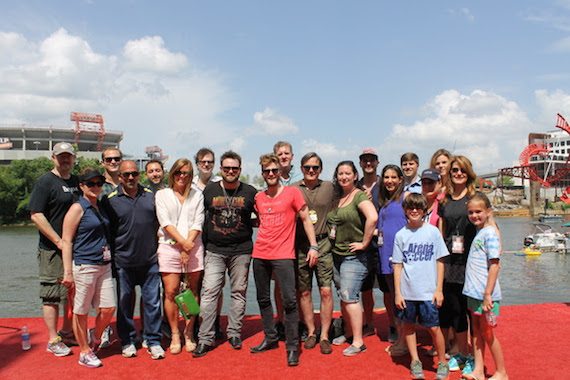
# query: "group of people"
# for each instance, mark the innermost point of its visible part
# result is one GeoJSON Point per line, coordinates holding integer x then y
{"type": "Point", "coordinates": [429, 241]}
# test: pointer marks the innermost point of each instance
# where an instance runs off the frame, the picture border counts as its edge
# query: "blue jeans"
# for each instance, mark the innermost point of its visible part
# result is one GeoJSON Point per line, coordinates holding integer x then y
{"type": "Point", "coordinates": [350, 272]}
{"type": "Point", "coordinates": [148, 278]}
{"type": "Point", "coordinates": [285, 276]}
{"type": "Point", "coordinates": [215, 266]}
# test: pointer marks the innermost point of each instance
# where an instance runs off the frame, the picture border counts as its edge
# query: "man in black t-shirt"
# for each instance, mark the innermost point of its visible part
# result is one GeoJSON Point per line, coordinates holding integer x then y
{"type": "Point", "coordinates": [227, 236]}
{"type": "Point", "coordinates": [52, 195]}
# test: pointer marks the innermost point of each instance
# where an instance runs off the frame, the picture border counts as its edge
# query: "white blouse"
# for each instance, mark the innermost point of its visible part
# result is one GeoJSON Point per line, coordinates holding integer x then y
{"type": "Point", "coordinates": [184, 217]}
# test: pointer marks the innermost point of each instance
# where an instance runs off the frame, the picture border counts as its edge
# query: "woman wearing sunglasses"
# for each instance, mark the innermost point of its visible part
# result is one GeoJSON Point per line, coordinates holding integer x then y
{"type": "Point", "coordinates": [180, 212]}
{"type": "Point", "coordinates": [458, 233]}
{"type": "Point", "coordinates": [86, 264]}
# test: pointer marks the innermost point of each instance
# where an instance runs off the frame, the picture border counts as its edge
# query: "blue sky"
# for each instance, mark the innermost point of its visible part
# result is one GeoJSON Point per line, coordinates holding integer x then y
{"type": "Point", "coordinates": [335, 77]}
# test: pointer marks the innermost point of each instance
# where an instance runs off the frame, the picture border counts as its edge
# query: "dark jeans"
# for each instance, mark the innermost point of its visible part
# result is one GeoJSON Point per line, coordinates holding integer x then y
{"type": "Point", "coordinates": [148, 278]}
{"type": "Point", "coordinates": [285, 276]}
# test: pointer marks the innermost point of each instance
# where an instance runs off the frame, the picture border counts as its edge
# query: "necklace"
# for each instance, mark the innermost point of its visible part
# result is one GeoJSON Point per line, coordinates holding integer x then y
{"type": "Point", "coordinates": [229, 200]}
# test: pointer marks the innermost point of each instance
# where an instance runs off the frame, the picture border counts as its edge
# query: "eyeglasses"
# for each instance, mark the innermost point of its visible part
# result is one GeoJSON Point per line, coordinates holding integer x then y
{"type": "Point", "coordinates": [91, 183]}
{"type": "Point", "coordinates": [206, 162]}
{"type": "Point", "coordinates": [311, 167]}
{"type": "Point", "coordinates": [127, 175]}
{"type": "Point", "coordinates": [229, 168]}
{"type": "Point", "coordinates": [267, 171]}
{"type": "Point", "coordinates": [457, 170]}
{"type": "Point", "coordinates": [110, 159]}
{"type": "Point", "coordinates": [180, 172]}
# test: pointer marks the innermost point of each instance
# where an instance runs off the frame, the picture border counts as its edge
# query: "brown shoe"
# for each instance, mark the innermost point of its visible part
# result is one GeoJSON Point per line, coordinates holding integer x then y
{"type": "Point", "coordinates": [311, 342]}
{"type": "Point", "coordinates": [326, 347]}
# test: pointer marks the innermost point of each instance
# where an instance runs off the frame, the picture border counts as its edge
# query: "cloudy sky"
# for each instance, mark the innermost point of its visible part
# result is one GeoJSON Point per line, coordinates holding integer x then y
{"type": "Point", "coordinates": [335, 77]}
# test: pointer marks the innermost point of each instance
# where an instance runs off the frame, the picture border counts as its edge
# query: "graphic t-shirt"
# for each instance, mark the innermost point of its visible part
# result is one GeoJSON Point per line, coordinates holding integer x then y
{"type": "Point", "coordinates": [228, 227]}
{"type": "Point", "coordinates": [53, 196]}
{"type": "Point", "coordinates": [485, 246]}
{"type": "Point", "coordinates": [418, 250]}
{"type": "Point", "coordinates": [277, 224]}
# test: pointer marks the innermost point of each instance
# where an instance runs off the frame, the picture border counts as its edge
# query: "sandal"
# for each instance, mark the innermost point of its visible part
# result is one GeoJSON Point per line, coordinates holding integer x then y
{"type": "Point", "coordinates": [189, 343]}
{"type": "Point", "coordinates": [175, 346]}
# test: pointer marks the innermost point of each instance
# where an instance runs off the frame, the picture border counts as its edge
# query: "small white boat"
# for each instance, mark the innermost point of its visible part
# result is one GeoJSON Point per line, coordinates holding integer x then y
{"type": "Point", "coordinates": [549, 218]}
{"type": "Point", "coordinates": [544, 239]}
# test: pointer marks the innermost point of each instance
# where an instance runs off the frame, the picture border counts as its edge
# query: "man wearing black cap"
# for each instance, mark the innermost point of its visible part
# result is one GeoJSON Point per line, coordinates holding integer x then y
{"type": "Point", "coordinates": [52, 195]}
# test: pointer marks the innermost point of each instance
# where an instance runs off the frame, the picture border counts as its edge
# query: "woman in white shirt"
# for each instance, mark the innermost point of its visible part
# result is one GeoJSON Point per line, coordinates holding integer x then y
{"type": "Point", "coordinates": [180, 211]}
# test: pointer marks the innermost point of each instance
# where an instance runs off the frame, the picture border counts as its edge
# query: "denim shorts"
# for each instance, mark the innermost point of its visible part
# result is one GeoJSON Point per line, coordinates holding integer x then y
{"type": "Point", "coordinates": [424, 312]}
{"type": "Point", "coordinates": [352, 271]}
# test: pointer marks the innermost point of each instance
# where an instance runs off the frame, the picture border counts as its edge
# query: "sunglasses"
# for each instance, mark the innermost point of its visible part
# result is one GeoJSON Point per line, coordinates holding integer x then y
{"type": "Point", "coordinates": [204, 162]}
{"type": "Point", "coordinates": [229, 168]}
{"type": "Point", "coordinates": [458, 170]}
{"type": "Point", "coordinates": [111, 159]}
{"type": "Point", "coordinates": [180, 172]}
{"type": "Point", "coordinates": [313, 167]}
{"type": "Point", "coordinates": [127, 175]}
{"type": "Point", "coordinates": [92, 184]}
{"type": "Point", "coordinates": [267, 171]}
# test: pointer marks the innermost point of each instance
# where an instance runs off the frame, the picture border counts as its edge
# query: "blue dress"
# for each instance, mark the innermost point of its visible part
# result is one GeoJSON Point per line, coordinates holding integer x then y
{"type": "Point", "coordinates": [391, 219]}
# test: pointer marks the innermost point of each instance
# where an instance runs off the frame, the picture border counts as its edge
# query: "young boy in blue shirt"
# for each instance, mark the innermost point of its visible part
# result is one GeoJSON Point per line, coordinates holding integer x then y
{"type": "Point", "coordinates": [418, 281]}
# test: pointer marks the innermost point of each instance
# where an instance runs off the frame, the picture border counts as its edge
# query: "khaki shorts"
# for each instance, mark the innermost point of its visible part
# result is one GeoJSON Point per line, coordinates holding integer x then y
{"type": "Point", "coordinates": [50, 273]}
{"type": "Point", "coordinates": [93, 288]}
{"type": "Point", "coordinates": [323, 269]}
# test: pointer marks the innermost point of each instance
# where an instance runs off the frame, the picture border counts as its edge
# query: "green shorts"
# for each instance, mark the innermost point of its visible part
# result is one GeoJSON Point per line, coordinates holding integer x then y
{"type": "Point", "coordinates": [51, 272]}
{"type": "Point", "coordinates": [476, 306]}
{"type": "Point", "coordinates": [323, 269]}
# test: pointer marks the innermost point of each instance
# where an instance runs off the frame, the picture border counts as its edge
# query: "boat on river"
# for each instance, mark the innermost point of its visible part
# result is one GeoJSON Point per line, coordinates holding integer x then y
{"type": "Point", "coordinates": [544, 239]}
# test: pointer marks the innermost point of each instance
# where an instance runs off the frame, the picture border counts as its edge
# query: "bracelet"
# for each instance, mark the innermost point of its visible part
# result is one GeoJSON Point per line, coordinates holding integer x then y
{"type": "Point", "coordinates": [315, 248]}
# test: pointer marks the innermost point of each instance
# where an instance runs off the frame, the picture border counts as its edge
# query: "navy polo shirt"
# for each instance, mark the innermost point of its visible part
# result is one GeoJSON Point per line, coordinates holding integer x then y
{"type": "Point", "coordinates": [134, 226]}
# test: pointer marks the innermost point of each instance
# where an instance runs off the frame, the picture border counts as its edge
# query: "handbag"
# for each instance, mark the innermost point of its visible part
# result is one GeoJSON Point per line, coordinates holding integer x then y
{"type": "Point", "coordinates": [187, 302]}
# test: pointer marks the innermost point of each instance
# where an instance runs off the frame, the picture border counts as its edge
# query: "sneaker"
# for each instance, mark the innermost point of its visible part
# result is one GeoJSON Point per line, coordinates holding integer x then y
{"type": "Point", "coordinates": [156, 352]}
{"type": "Point", "coordinates": [442, 371]}
{"type": "Point", "coordinates": [106, 337]}
{"type": "Point", "coordinates": [416, 370]}
{"type": "Point", "coordinates": [368, 330]}
{"type": "Point", "coordinates": [392, 334]}
{"type": "Point", "coordinates": [58, 348]}
{"type": "Point", "coordinates": [129, 351]}
{"type": "Point", "coordinates": [67, 338]}
{"type": "Point", "coordinates": [456, 362]}
{"type": "Point", "coordinates": [469, 365]}
{"type": "Point", "coordinates": [89, 360]}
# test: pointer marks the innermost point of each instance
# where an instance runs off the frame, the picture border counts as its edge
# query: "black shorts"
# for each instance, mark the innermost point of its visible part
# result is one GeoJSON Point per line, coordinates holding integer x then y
{"type": "Point", "coordinates": [453, 312]}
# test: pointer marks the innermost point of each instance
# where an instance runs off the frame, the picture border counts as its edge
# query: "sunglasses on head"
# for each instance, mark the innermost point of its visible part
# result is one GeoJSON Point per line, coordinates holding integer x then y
{"type": "Point", "coordinates": [229, 168]}
{"type": "Point", "coordinates": [313, 167]}
{"type": "Point", "coordinates": [180, 172]}
{"type": "Point", "coordinates": [92, 184]}
{"type": "Point", "coordinates": [110, 159]}
{"type": "Point", "coordinates": [458, 170]}
{"type": "Point", "coordinates": [128, 174]}
{"type": "Point", "coordinates": [267, 171]}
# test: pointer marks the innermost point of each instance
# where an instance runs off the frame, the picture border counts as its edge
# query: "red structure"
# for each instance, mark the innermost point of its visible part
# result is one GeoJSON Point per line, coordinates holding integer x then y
{"type": "Point", "coordinates": [89, 124]}
{"type": "Point", "coordinates": [155, 153]}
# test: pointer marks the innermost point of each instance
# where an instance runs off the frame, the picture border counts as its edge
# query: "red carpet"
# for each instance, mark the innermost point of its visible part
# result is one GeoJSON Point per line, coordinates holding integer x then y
{"type": "Point", "coordinates": [535, 340]}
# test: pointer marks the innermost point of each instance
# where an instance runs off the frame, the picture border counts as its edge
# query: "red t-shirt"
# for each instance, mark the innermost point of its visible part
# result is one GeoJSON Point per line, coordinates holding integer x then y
{"type": "Point", "coordinates": [277, 222]}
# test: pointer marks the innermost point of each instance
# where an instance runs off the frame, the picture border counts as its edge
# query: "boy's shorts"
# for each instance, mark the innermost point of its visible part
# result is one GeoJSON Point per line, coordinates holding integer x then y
{"type": "Point", "coordinates": [424, 312]}
{"type": "Point", "coordinates": [476, 306]}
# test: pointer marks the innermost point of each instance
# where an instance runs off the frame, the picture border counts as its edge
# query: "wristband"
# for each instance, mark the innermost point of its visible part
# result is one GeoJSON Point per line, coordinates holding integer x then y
{"type": "Point", "coordinates": [315, 248]}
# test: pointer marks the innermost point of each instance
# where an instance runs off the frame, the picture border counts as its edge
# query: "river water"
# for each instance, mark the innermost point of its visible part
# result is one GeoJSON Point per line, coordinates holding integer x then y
{"type": "Point", "coordinates": [524, 279]}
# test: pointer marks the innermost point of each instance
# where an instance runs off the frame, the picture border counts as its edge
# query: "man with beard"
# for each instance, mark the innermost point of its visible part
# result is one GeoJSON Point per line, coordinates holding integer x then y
{"type": "Point", "coordinates": [228, 229]}
{"type": "Point", "coordinates": [52, 195]}
{"type": "Point", "coordinates": [274, 253]}
{"type": "Point", "coordinates": [154, 171]}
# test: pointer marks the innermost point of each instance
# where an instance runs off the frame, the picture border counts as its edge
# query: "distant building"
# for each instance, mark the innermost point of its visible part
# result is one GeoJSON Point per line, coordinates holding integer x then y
{"type": "Point", "coordinates": [548, 165]}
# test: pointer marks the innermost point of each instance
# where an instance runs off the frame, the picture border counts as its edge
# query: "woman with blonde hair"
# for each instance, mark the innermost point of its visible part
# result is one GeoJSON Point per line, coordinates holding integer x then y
{"type": "Point", "coordinates": [180, 212]}
{"type": "Point", "coordinates": [441, 160]}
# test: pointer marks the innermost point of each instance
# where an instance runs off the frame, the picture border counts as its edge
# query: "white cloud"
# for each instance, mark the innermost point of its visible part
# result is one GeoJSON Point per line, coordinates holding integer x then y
{"type": "Point", "coordinates": [560, 46]}
{"type": "Point", "coordinates": [271, 122]}
{"type": "Point", "coordinates": [149, 54]}
{"type": "Point", "coordinates": [484, 126]}
{"type": "Point", "coordinates": [551, 104]}
{"type": "Point", "coordinates": [164, 102]}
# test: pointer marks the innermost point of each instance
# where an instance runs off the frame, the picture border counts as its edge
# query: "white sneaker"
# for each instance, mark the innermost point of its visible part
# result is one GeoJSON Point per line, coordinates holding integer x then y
{"type": "Point", "coordinates": [89, 360]}
{"type": "Point", "coordinates": [106, 337]}
{"type": "Point", "coordinates": [129, 351]}
{"type": "Point", "coordinates": [58, 348]}
{"type": "Point", "coordinates": [156, 352]}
